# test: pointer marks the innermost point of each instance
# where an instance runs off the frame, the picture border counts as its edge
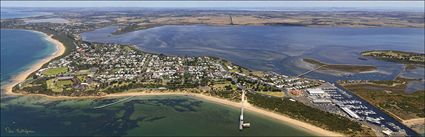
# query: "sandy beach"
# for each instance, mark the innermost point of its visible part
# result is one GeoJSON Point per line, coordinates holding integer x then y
{"type": "Point", "coordinates": [285, 119]}
{"type": "Point", "coordinates": [7, 88]}
{"type": "Point", "coordinates": [60, 49]}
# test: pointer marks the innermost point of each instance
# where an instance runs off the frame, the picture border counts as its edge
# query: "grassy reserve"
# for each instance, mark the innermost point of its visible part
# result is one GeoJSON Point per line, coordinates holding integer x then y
{"type": "Point", "coordinates": [58, 85]}
{"type": "Point", "coordinates": [55, 71]}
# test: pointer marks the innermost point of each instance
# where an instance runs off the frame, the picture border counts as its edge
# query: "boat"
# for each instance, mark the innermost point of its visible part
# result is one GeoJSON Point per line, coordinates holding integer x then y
{"type": "Point", "coordinates": [373, 120]}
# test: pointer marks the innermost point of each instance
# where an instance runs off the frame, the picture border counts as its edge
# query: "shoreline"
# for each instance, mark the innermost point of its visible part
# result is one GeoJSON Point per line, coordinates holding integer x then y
{"type": "Point", "coordinates": [16, 79]}
{"type": "Point", "coordinates": [294, 123]}
{"type": "Point", "coordinates": [60, 49]}
{"type": "Point", "coordinates": [282, 118]}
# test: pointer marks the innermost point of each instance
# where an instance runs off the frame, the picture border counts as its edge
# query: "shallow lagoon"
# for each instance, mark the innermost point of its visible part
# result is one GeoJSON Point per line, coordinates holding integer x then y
{"type": "Point", "coordinates": [276, 48]}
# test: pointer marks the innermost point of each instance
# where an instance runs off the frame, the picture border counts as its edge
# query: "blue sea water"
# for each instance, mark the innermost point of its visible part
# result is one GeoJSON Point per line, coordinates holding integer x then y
{"type": "Point", "coordinates": [20, 49]}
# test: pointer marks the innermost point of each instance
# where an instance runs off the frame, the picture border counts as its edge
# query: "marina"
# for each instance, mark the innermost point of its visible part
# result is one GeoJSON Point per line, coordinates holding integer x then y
{"type": "Point", "coordinates": [357, 109]}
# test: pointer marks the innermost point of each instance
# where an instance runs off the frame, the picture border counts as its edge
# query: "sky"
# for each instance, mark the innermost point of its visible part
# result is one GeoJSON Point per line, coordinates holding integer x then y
{"type": "Point", "coordinates": [364, 4]}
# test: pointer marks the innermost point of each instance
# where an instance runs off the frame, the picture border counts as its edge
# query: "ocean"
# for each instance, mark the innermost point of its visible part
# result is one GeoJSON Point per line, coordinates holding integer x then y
{"type": "Point", "coordinates": [20, 49]}
{"type": "Point", "coordinates": [142, 116]}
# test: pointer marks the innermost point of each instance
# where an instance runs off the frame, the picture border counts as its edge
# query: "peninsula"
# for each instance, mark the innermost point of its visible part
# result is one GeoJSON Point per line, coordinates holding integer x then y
{"type": "Point", "coordinates": [397, 56]}
{"type": "Point", "coordinates": [101, 70]}
{"type": "Point", "coordinates": [83, 69]}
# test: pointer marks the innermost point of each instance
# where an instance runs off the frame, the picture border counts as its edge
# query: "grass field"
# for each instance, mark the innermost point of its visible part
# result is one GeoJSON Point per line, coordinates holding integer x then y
{"type": "Point", "coordinates": [55, 71]}
{"type": "Point", "coordinates": [63, 83]}
{"type": "Point", "coordinates": [51, 85]}
{"type": "Point", "coordinates": [58, 86]}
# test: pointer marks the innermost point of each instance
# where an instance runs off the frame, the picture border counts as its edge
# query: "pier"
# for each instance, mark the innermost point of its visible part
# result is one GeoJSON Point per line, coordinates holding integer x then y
{"type": "Point", "coordinates": [310, 71]}
{"type": "Point", "coordinates": [243, 125]}
{"type": "Point", "coordinates": [110, 104]}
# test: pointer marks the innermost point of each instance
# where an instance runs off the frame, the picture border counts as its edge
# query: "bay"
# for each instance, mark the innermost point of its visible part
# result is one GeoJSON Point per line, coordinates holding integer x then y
{"type": "Point", "coordinates": [276, 48]}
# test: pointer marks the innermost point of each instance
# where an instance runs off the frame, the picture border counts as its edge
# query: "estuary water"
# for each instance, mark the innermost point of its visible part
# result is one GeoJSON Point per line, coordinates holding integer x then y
{"type": "Point", "coordinates": [32, 115]}
{"type": "Point", "coordinates": [277, 48]}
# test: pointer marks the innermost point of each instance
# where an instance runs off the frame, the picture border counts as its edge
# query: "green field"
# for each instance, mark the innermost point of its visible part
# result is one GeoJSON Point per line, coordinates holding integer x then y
{"type": "Point", "coordinates": [51, 85]}
{"type": "Point", "coordinates": [63, 83]}
{"type": "Point", "coordinates": [58, 85]}
{"type": "Point", "coordinates": [55, 71]}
